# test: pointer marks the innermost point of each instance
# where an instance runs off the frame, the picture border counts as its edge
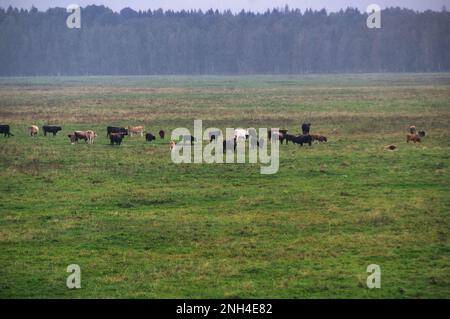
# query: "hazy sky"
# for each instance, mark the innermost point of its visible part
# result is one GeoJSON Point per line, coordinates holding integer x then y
{"type": "Point", "coordinates": [234, 5]}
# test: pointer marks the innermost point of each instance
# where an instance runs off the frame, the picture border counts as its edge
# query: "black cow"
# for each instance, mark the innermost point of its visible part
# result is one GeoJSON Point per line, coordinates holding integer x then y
{"type": "Point", "coordinates": [228, 145]}
{"type": "Point", "coordinates": [113, 129]}
{"type": "Point", "coordinates": [150, 137]}
{"type": "Point", "coordinates": [162, 134]}
{"type": "Point", "coordinates": [116, 138]}
{"type": "Point", "coordinates": [5, 130]}
{"type": "Point", "coordinates": [288, 137]}
{"type": "Point", "coordinates": [306, 128]}
{"type": "Point", "coordinates": [73, 138]}
{"type": "Point", "coordinates": [51, 129]}
{"type": "Point", "coordinates": [303, 139]}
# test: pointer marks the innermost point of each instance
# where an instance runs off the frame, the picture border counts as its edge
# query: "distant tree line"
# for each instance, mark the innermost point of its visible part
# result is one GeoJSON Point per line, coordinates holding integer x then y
{"type": "Point", "coordinates": [279, 41]}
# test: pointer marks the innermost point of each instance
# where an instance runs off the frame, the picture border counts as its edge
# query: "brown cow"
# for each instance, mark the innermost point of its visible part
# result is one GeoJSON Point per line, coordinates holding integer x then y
{"type": "Point", "coordinates": [34, 130]}
{"type": "Point", "coordinates": [81, 135]}
{"type": "Point", "coordinates": [136, 130]}
{"type": "Point", "coordinates": [91, 135]}
{"type": "Point", "coordinates": [413, 137]}
{"type": "Point", "coordinates": [319, 138]}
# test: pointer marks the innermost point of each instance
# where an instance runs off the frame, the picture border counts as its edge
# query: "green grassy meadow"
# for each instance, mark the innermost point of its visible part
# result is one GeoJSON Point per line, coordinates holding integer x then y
{"type": "Point", "coordinates": [141, 226]}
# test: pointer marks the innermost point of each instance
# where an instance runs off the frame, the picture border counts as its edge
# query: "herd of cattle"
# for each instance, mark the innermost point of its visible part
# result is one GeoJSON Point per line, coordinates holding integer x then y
{"type": "Point", "coordinates": [116, 135]}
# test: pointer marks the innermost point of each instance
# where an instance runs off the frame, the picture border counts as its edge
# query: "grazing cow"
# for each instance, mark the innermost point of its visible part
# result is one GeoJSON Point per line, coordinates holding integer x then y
{"type": "Point", "coordinates": [116, 138]}
{"type": "Point", "coordinates": [189, 138]}
{"type": "Point", "coordinates": [303, 139]}
{"type": "Point", "coordinates": [34, 130]}
{"type": "Point", "coordinates": [136, 130]}
{"type": "Point", "coordinates": [51, 129]}
{"type": "Point", "coordinates": [81, 135]}
{"type": "Point", "coordinates": [413, 138]}
{"type": "Point", "coordinates": [213, 135]}
{"type": "Point", "coordinates": [73, 138]}
{"type": "Point", "coordinates": [5, 130]}
{"type": "Point", "coordinates": [150, 137]}
{"type": "Point", "coordinates": [87, 136]}
{"type": "Point", "coordinates": [162, 134]}
{"type": "Point", "coordinates": [319, 138]}
{"type": "Point", "coordinates": [306, 128]}
{"type": "Point", "coordinates": [287, 138]}
{"type": "Point", "coordinates": [91, 135]}
{"type": "Point", "coordinates": [229, 145]}
{"type": "Point", "coordinates": [113, 129]}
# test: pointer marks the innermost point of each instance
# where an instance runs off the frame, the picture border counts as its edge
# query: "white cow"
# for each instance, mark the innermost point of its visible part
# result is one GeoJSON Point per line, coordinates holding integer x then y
{"type": "Point", "coordinates": [240, 134]}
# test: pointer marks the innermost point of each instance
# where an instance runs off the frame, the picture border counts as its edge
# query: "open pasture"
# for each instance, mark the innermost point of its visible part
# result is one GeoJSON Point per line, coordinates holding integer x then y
{"type": "Point", "coordinates": [140, 226]}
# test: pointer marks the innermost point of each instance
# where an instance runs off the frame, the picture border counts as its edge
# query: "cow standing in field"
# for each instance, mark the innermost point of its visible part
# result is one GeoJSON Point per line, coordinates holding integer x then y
{"type": "Point", "coordinates": [87, 136]}
{"type": "Point", "coordinates": [73, 138]}
{"type": "Point", "coordinates": [81, 135]}
{"type": "Point", "coordinates": [91, 135]}
{"type": "Point", "coordinates": [303, 139]}
{"type": "Point", "coordinates": [5, 130]}
{"type": "Point", "coordinates": [240, 134]}
{"type": "Point", "coordinates": [116, 138]}
{"type": "Point", "coordinates": [306, 127]}
{"type": "Point", "coordinates": [413, 138]}
{"type": "Point", "coordinates": [150, 137]}
{"type": "Point", "coordinates": [162, 134]}
{"type": "Point", "coordinates": [288, 137]}
{"type": "Point", "coordinates": [136, 130]}
{"type": "Point", "coordinates": [51, 129]}
{"type": "Point", "coordinates": [34, 130]}
{"type": "Point", "coordinates": [319, 138]}
{"type": "Point", "coordinates": [113, 129]}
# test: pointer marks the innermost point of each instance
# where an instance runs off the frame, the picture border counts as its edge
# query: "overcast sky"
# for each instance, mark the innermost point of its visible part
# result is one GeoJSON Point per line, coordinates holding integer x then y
{"type": "Point", "coordinates": [234, 5]}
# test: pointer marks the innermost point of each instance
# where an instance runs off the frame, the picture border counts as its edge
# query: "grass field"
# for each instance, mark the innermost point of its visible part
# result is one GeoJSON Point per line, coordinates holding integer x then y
{"type": "Point", "coordinates": [140, 226]}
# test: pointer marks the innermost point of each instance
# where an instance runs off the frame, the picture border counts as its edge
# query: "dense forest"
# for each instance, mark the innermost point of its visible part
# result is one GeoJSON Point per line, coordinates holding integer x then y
{"type": "Point", "coordinates": [277, 41]}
